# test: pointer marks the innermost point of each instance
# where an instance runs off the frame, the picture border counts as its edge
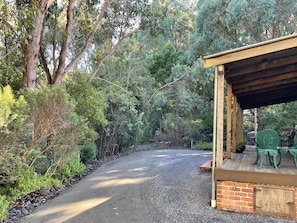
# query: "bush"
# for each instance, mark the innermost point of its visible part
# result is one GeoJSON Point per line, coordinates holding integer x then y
{"type": "Point", "coordinates": [57, 129]}
{"type": "Point", "coordinates": [70, 169]}
{"type": "Point", "coordinates": [25, 182]}
{"type": "Point", "coordinates": [90, 103]}
{"type": "Point", "coordinates": [203, 145]}
{"type": "Point", "coordinates": [88, 152]}
{"type": "Point", "coordinates": [4, 204]}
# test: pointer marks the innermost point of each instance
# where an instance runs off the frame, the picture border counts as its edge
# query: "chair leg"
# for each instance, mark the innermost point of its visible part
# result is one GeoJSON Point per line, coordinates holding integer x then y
{"type": "Point", "coordinates": [293, 152]}
{"type": "Point", "coordinates": [281, 155]}
{"type": "Point", "coordinates": [295, 160]}
{"type": "Point", "coordinates": [274, 162]}
{"type": "Point", "coordinates": [260, 161]}
{"type": "Point", "coordinates": [257, 160]}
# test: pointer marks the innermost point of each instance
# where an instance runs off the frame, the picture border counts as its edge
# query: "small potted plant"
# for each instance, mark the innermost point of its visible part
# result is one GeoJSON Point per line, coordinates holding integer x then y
{"type": "Point", "coordinates": [240, 146]}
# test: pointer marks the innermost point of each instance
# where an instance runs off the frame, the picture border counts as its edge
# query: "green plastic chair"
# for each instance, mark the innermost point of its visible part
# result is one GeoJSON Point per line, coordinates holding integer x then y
{"type": "Point", "coordinates": [267, 141]}
{"type": "Point", "coordinates": [293, 151]}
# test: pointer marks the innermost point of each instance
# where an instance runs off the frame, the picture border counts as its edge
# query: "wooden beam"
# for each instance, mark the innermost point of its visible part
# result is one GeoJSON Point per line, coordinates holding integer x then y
{"type": "Point", "coordinates": [266, 91]}
{"type": "Point", "coordinates": [256, 177]}
{"type": "Point", "coordinates": [253, 104]}
{"type": "Point", "coordinates": [270, 95]}
{"type": "Point", "coordinates": [266, 85]}
{"type": "Point", "coordinates": [229, 121]}
{"type": "Point", "coordinates": [254, 50]}
{"type": "Point", "coordinates": [220, 115]}
{"type": "Point", "coordinates": [261, 74]}
{"type": "Point", "coordinates": [270, 81]}
{"type": "Point", "coordinates": [245, 68]}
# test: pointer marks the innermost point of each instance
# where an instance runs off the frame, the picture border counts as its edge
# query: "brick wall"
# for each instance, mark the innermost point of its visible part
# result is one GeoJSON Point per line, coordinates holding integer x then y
{"type": "Point", "coordinates": [238, 197]}
{"type": "Point", "coordinates": [234, 196]}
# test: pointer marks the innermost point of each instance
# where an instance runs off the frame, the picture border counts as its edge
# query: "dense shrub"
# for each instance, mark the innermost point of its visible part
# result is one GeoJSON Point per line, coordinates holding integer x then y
{"type": "Point", "coordinates": [88, 152]}
{"type": "Point", "coordinates": [39, 133]}
{"type": "Point", "coordinates": [125, 124]}
{"type": "Point", "coordinates": [28, 181]}
{"type": "Point", "coordinates": [13, 133]}
{"type": "Point", "coordinates": [21, 182]}
{"type": "Point", "coordinates": [90, 103]}
{"type": "Point", "coordinates": [56, 130]}
{"type": "Point", "coordinates": [69, 170]}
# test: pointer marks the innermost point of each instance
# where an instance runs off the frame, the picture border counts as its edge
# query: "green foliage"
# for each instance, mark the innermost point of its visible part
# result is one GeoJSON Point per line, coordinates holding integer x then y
{"type": "Point", "coordinates": [170, 21]}
{"type": "Point", "coordinates": [125, 123]}
{"type": "Point", "coordinates": [22, 180]}
{"type": "Point", "coordinates": [240, 143]}
{"type": "Point", "coordinates": [4, 204]}
{"type": "Point", "coordinates": [223, 25]}
{"type": "Point", "coordinates": [10, 167]}
{"type": "Point", "coordinates": [12, 113]}
{"type": "Point", "coordinates": [88, 152]}
{"type": "Point", "coordinates": [90, 104]}
{"type": "Point", "coordinates": [153, 21]}
{"type": "Point", "coordinates": [193, 129]}
{"type": "Point", "coordinates": [69, 169]}
{"type": "Point", "coordinates": [280, 117]}
{"type": "Point", "coordinates": [203, 145]}
{"type": "Point", "coordinates": [58, 130]}
{"type": "Point", "coordinates": [13, 132]}
{"type": "Point", "coordinates": [43, 162]}
{"type": "Point", "coordinates": [162, 63]}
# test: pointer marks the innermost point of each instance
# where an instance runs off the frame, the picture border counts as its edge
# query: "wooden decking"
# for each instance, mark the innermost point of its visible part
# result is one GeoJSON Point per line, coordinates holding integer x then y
{"type": "Point", "coordinates": [244, 162]}
{"type": "Point", "coordinates": [240, 168]}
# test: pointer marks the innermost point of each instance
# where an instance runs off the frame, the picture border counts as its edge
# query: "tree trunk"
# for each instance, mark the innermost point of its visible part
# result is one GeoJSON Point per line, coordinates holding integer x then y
{"type": "Point", "coordinates": [31, 47]}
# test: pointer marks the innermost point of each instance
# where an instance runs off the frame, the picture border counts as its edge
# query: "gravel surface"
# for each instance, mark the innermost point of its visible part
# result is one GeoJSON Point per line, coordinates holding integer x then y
{"type": "Point", "coordinates": [147, 187]}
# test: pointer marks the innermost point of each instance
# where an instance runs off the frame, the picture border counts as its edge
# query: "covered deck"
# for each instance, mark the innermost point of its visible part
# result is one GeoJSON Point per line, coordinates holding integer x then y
{"type": "Point", "coordinates": [255, 76]}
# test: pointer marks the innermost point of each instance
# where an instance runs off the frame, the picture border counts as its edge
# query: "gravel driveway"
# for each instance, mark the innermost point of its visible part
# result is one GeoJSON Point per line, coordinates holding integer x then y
{"type": "Point", "coordinates": [155, 186]}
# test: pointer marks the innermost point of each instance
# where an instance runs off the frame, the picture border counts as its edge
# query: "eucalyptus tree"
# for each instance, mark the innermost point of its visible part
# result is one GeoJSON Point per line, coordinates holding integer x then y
{"type": "Point", "coordinates": [60, 34]}
{"type": "Point", "coordinates": [222, 25]}
{"type": "Point", "coordinates": [25, 20]}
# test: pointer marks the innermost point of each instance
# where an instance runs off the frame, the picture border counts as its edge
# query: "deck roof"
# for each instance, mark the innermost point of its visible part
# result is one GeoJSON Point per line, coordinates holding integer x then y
{"type": "Point", "coordinates": [261, 74]}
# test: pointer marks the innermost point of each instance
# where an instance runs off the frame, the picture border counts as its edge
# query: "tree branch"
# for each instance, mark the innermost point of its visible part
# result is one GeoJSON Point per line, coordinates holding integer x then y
{"type": "Point", "coordinates": [150, 98]}
{"type": "Point", "coordinates": [8, 24]}
{"type": "Point", "coordinates": [43, 59]}
{"type": "Point", "coordinates": [62, 58]}
{"type": "Point", "coordinates": [91, 36]}
{"type": "Point", "coordinates": [110, 52]}
{"type": "Point", "coordinates": [8, 53]}
{"type": "Point", "coordinates": [109, 82]}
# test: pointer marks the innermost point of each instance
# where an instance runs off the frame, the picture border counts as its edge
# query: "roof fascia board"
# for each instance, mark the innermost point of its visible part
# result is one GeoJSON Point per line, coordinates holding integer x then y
{"type": "Point", "coordinates": [250, 51]}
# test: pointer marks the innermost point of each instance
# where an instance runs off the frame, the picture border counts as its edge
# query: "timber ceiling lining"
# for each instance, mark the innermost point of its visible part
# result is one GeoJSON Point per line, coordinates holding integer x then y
{"type": "Point", "coordinates": [262, 80]}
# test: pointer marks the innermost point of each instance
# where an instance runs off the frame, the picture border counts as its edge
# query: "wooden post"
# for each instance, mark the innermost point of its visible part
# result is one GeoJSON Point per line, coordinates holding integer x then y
{"type": "Point", "coordinates": [229, 122]}
{"type": "Point", "coordinates": [256, 120]}
{"type": "Point", "coordinates": [214, 149]}
{"type": "Point", "coordinates": [220, 115]}
{"type": "Point", "coordinates": [234, 128]}
{"type": "Point", "coordinates": [239, 130]}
